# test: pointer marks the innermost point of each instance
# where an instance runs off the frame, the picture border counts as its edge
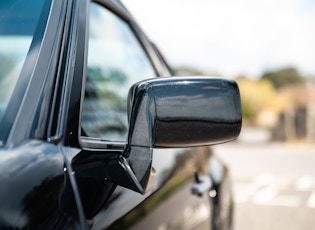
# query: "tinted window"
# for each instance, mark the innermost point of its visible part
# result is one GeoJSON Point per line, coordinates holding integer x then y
{"type": "Point", "coordinates": [18, 20]}
{"type": "Point", "coordinates": [116, 60]}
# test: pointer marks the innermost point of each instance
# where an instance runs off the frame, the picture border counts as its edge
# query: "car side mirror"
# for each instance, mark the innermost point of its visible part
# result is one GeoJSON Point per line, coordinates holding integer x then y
{"type": "Point", "coordinates": [163, 113]}
{"type": "Point", "coordinates": [184, 112]}
{"type": "Point", "coordinates": [177, 112]}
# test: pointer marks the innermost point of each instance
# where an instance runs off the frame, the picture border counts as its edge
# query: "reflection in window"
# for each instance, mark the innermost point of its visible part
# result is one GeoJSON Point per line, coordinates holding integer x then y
{"type": "Point", "coordinates": [13, 50]}
{"type": "Point", "coordinates": [116, 60]}
{"type": "Point", "coordinates": [18, 20]}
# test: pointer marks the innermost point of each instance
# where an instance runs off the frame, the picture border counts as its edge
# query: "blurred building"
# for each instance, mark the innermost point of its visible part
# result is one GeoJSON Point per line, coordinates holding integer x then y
{"type": "Point", "coordinates": [297, 121]}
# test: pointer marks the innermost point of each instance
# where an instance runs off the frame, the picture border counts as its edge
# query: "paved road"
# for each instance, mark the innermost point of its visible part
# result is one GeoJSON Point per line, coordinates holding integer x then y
{"type": "Point", "coordinates": [274, 184]}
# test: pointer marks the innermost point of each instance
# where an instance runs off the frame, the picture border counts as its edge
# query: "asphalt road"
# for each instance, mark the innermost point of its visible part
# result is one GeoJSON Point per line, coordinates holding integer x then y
{"type": "Point", "coordinates": [273, 183]}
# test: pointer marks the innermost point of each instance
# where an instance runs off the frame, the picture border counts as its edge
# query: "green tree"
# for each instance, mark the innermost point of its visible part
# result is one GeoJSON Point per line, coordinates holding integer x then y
{"type": "Point", "coordinates": [282, 77]}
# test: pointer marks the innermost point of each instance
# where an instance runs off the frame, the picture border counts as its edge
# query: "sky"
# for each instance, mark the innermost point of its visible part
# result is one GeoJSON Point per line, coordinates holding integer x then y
{"type": "Point", "coordinates": [231, 37]}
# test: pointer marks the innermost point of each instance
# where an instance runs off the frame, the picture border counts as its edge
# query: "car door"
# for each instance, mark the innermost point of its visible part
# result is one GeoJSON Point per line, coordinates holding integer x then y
{"type": "Point", "coordinates": [118, 56]}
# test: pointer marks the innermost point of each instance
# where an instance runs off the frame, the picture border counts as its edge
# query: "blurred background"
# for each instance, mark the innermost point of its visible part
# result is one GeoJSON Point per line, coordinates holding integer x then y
{"type": "Point", "coordinates": [268, 47]}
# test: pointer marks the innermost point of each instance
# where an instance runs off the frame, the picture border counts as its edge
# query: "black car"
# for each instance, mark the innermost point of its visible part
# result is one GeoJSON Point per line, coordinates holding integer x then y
{"type": "Point", "coordinates": [95, 133]}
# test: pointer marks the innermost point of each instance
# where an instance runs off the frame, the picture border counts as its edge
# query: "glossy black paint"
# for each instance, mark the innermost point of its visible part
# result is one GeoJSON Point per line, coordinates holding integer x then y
{"type": "Point", "coordinates": [184, 112]}
{"type": "Point", "coordinates": [174, 206]}
{"type": "Point", "coordinates": [53, 179]}
{"type": "Point", "coordinates": [32, 185]}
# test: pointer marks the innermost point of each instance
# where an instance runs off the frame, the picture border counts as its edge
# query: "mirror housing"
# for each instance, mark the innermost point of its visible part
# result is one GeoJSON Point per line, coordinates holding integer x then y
{"type": "Point", "coordinates": [175, 112]}
{"type": "Point", "coordinates": [184, 112]}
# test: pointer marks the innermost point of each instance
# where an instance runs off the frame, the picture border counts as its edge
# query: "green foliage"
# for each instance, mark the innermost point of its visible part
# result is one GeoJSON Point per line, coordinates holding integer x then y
{"type": "Point", "coordinates": [282, 77]}
{"type": "Point", "coordinates": [255, 96]}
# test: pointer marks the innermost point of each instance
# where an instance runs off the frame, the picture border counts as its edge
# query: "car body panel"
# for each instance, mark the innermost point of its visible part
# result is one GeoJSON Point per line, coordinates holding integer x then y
{"type": "Point", "coordinates": [32, 178]}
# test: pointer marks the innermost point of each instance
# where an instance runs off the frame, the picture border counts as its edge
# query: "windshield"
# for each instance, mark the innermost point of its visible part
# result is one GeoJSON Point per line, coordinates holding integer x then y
{"type": "Point", "coordinates": [18, 20]}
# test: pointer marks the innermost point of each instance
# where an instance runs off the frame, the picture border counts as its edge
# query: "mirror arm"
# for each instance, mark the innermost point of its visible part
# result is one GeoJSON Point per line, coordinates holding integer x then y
{"type": "Point", "coordinates": [123, 175]}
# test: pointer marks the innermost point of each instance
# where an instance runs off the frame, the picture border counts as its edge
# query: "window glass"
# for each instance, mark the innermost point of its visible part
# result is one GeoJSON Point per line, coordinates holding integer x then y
{"type": "Point", "coordinates": [18, 20]}
{"type": "Point", "coordinates": [116, 60]}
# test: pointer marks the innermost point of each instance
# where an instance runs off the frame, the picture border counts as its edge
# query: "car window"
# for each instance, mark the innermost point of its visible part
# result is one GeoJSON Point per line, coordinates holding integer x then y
{"type": "Point", "coordinates": [18, 20]}
{"type": "Point", "coordinates": [116, 60]}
